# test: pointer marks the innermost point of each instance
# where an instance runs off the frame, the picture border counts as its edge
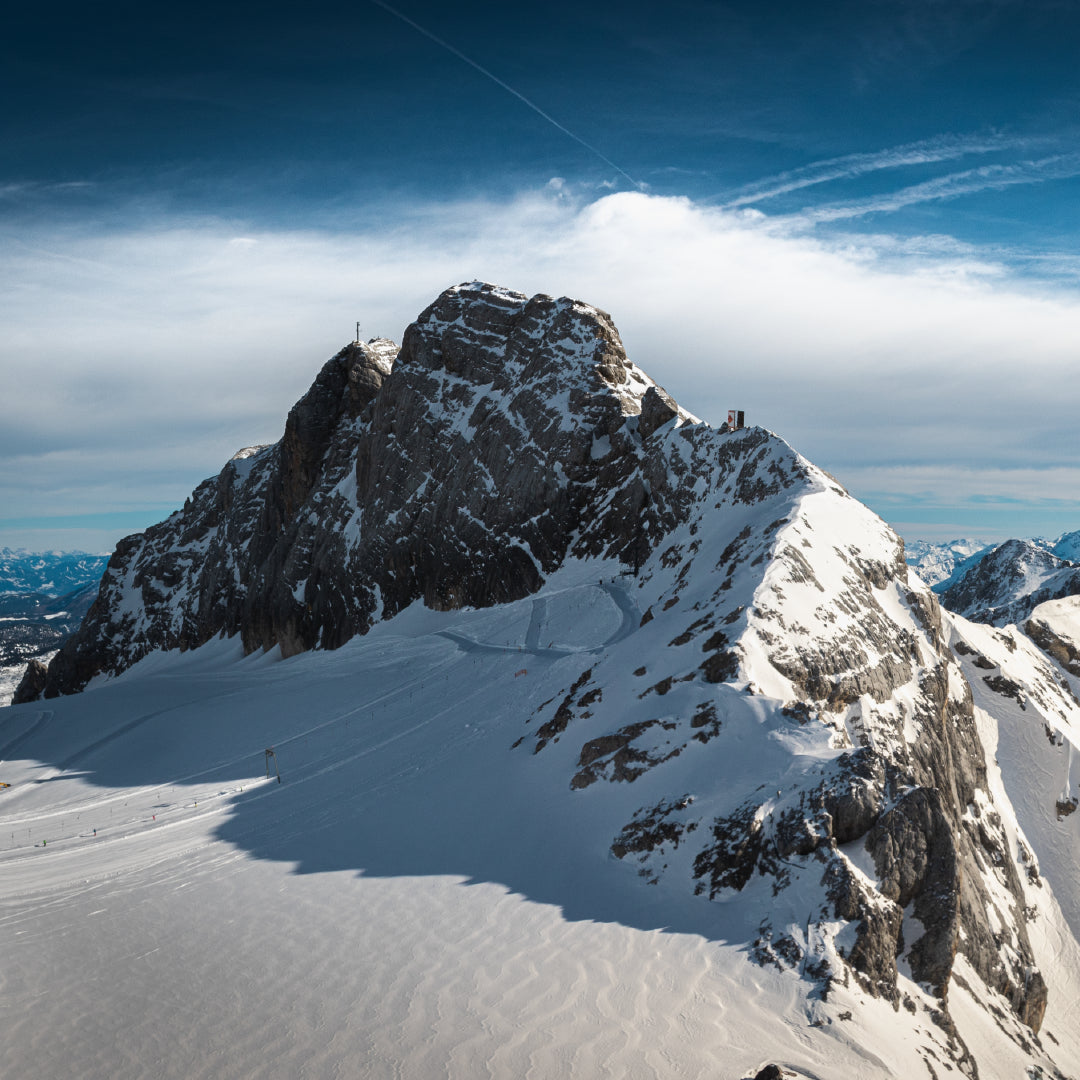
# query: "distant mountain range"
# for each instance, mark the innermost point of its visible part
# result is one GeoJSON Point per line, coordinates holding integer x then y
{"type": "Point", "coordinates": [935, 563]}
{"type": "Point", "coordinates": [50, 573]}
{"type": "Point", "coordinates": [999, 583]}
{"type": "Point", "coordinates": [43, 599]}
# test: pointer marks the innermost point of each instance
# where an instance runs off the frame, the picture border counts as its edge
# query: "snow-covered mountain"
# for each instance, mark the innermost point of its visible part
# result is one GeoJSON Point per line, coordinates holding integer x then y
{"type": "Point", "coordinates": [571, 642]}
{"type": "Point", "coordinates": [935, 563]}
{"type": "Point", "coordinates": [510, 436]}
{"type": "Point", "coordinates": [51, 573]}
{"type": "Point", "coordinates": [1007, 583]}
{"type": "Point", "coordinates": [1021, 575]}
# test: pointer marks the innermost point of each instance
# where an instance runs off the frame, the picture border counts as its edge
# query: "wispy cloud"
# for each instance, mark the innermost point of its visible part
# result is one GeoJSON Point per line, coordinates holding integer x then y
{"type": "Point", "coordinates": [21, 190]}
{"type": "Point", "coordinates": [939, 485]}
{"type": "Point", "coordinates": [943, 501]}
{"type": "Point", "coordinates": [951, 186]}
{"type": "Point", "coordinates": [852, 166]}
{"type": "Point", "coordinates": [134, 363]}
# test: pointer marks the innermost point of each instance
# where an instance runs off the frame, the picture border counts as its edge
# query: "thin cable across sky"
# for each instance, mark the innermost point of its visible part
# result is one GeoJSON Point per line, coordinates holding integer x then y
{"type": "Point", "coordinates": [506, 86]}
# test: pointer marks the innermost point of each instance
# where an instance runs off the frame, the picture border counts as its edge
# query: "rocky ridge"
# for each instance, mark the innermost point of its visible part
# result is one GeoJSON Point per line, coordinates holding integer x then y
{"type": "Point", "coordinates": [787, 623]}
{"type": "Point", "coordinates": [1055, 627]}
{"type": "Point", "coordinates": [796, 738]}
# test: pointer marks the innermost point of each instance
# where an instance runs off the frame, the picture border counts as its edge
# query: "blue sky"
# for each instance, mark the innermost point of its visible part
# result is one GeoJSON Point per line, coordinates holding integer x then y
{"type": "Point", "coordinates": [859, 222]}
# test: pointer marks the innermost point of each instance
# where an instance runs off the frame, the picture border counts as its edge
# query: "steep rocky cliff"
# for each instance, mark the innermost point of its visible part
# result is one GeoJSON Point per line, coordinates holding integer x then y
{"type": "Point", "coordinates": [779, 725]}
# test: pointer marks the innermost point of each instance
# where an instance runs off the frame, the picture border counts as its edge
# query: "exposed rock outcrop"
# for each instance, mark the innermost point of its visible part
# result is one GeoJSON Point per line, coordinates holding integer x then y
{"type": "Point", "coordinates": [32, 684]}
{"type": "Point", "coordinates": [1063, 648]}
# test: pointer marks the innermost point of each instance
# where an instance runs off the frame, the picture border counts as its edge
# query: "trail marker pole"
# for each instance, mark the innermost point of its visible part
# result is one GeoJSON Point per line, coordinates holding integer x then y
{"type": "Point", "coordinates": [270, 754]}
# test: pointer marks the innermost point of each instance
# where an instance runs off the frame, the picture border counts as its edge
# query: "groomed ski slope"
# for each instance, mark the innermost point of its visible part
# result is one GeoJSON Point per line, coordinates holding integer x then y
{"type": "Point", "coordinates": [412, 900]}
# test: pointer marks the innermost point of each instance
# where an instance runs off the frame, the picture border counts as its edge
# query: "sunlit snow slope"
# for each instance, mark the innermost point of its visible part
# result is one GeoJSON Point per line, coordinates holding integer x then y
{"type": "Point", "coordinates": [411, 900]}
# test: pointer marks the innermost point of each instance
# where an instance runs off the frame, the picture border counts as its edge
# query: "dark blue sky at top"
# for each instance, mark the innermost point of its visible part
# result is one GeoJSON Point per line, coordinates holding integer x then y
{"type": "Point", "coordinates": [308, 113]}
{"type": "Point", "coordinates": [882, 210]}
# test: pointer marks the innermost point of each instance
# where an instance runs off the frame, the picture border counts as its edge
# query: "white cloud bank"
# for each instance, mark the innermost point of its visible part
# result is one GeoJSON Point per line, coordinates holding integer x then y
{"type": "Point", "coordinates": [135, 362]}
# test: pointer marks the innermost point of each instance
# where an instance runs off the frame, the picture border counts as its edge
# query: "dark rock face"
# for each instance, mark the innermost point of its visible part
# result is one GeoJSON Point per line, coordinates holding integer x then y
{"type": "Point", "coordinates": [657, 409]}
{"type": "Point", "coordinates": [230, 560]}
{"type": "Point", "coordinates": [770, 1072]}
{"type": "Point", "coordinates": [1064, 652]}
{"type": "Point", "coordinates": [32, 684]}
{"type": "Point", "coordinates": [917, 864]}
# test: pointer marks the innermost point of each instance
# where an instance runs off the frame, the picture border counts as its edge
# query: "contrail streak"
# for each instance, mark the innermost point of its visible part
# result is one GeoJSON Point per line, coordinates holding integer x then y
{"type": "Point", "coordinates": [509, 89]}
{"type": "Point", "coordinates": [969, 182]}
{"type": "Point", "coordinates": [925, 152]}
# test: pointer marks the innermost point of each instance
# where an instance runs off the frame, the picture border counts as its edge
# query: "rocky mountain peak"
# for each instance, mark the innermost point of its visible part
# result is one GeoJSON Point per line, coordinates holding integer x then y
{"type": "Point", "coordinates": [557, 365]}
{"type": "Point", "coordinates": [459, 470]}
{"type": "Point", "coordinates": [487, 335]}
{"type": "Point", "coordinates": [345, 386]}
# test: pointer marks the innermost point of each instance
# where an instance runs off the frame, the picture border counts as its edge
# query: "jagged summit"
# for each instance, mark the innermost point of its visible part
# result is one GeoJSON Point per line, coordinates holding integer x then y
{"type": "Point", "coordinates": [775, 718]}
{"type": "Point", "coordinates": [459, 470]}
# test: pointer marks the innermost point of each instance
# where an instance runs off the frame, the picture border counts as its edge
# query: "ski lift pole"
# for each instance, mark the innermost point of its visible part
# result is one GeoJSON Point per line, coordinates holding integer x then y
{"type": "Point", "coordinates": [270, 754]}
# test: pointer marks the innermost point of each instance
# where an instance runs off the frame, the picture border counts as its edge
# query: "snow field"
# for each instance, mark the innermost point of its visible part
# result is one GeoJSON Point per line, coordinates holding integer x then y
{"type": "Point", "coordinates": [425, 896]}
{"type": "Point", "coordinates": [412, 901]}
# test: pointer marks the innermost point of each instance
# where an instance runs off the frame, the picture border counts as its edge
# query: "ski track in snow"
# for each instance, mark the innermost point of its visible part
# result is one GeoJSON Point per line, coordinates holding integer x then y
{"type": "Point", "coordinates": [631, 616]}
{"type": "Point", "coordinates": [12, 745]}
